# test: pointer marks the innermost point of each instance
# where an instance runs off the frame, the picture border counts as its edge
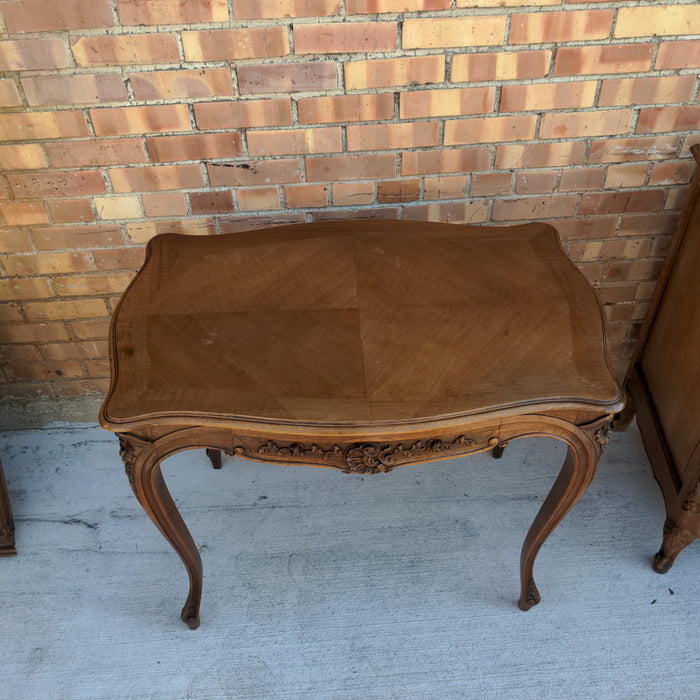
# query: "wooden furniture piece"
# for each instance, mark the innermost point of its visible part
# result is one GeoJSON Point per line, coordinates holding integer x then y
{"type": "Point", "coordinates": [361, 346]}
{"type": "Point", "coordinates": [7, 525]}
{"type": "Point", "coordinates": [664, 382]}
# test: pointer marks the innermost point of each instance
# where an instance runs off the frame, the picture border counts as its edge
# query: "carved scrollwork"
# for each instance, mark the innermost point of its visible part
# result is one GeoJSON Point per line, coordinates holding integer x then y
{"type": "Point", "coordinates": [692, 501]}
{"type": "Point", "coordinates": [129, 453]}
{"type": "Point", "coordinates": [600, 434]}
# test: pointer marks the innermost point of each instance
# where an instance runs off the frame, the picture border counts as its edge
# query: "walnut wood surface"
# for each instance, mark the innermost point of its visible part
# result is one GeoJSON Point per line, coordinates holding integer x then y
{"type": "Point", "coordinates": [360, 346]}
{"type": "Point", "coordinates": [7, 525]}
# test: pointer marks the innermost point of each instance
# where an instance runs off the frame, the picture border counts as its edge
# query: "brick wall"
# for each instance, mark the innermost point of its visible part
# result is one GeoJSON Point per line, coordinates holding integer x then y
{"type": "Point", "coordinates": [125, 118]}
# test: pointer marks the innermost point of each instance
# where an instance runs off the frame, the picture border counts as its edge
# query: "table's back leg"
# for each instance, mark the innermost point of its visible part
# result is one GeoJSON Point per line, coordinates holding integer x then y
{"type": "Point", "coordinates": [143, 469]}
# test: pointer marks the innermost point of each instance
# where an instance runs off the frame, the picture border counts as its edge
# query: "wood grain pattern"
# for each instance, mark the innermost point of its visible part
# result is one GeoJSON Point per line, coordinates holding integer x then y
{"type": "Point", "coordinates": [7, 524]}
{"type": "Point", "coordinates": [362, 346]}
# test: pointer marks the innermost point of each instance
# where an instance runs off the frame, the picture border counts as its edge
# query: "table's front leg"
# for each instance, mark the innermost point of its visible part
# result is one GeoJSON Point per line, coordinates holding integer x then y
{"type": "Point", "coordinates": [142, 462]}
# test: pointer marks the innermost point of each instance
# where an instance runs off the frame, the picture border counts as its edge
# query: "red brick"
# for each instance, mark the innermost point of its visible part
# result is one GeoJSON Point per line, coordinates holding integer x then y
{"type": "Point", "coordinates": [355, 167]}
{"type": "Point", "coordinates": [668, 119]}
{"type": "Point", "coordinates": [65, 211]}
{"type": "Point", "coordinates": [639, 91]}
{"type": "Point", "coordinates": [389, 72]}
{"type": "Point", "coordinates": [373, 137]}
{"type": "Point", "coordinates": [536, 181]}
{"type": "Point", "coordinates": [445, 187]}
{"type": "Point", "coordinates": [175, 84]}
{"type": "Point", "coordinates": [42, 125]}
{"type": "Point", "coordinates": [620, 202]}
{"type": "Point", "coordinates": [615, 58]}
{"type": "Point", "coordinates": [27, 156]}
{"type": "Point", "coordinates": [639, 270]}
{"type": "Point", "coordinates": [380, 212]}
{"type": "Point", "coordinates": [51, 184]}
{"type": "Point", "coordinates": [142, 232]}
{"type": "Point", "coordinates": [448, 103]}
{"type": "Point", "coordinates": [353, 194]}
{"type": "Point", "coordinates": [546, 27]}
{"type": "Point", "coordinates": [294, 141]}
{"type": "Point", "coordinates": [252, 223]}
{"type": "Point", "coordinates": [286, 77]}
{"type": "Point", "coordinates": [449, 32]}
{"type": "Point", "coordinates": [64, 310]}
{"type": "Point", "coordinates": [118, 259]}
{"type": "Point", "coordinates": [24, 213]}
{"type": "Point", "coordinates": [91, 285]}
{"type": "Point", "coordinates": [590, 227]}
{"type": "Point", "coordinates": [33, 54]}
{"type": "Point", "coordinates": [389, 191]}
{"type": "Point", "coordinates": [630, 149]}
{"type": "Point", "coordinates": [677, 198]}
{"type": "Point", "coordinates": [60, 352]}
{"type": "Point", "coordinates": [259, 199]}
{"type": "Point", "coordinates": [55, 15]}
{"type": "Point", "coordinates": [157, 177]}
{"type": "Point", "coordinates": [672, 172]}
{"type": "Point", "coordinates": [658, 20]}
{"type": "Point", "coordinates": [678, 54]}
{"type": "Point", "coordinates": [172, 11]}
{"type": "Point", "coordinates": [548, 96]}
{"type": "Point", "coordinates": [10, 313]}
{"type": "Point", "coordinates": [194, 147]}
{"type": "Point", "coordinates": [534, 208]}
{"type": "Point", "coordinates": [9, 94]}
{"type": "Point", "coordinates": [140, 120]}
{"type": "Point", "coordinates": [344, 37]}
{"type": "Point", "coordinates": [306, 196]}
{"type": "Point", "coordinates": [506, 3]}
{"type": "Point", "coordinates": [77, 237]}
{"type": "Point", "coordinates": [451, 212]}
{"type": "Point", "coordinates": [235, 44]}
{"type": "Point", "coordinates": [32, 332]}
{"type": "Point", "coordinates": [511, 65]}
{"type": "Point", "coordinates": [80, 387]}
{"type": "Point", "coordinates": [254, 172]}
{"type": "Point", "coordinates": [647, 224]}
{"type": "Point", "coordinates": [490, 130]}
{"type": "Point", "coordinates": [242, 114]}
{"type": "Point", "coordinates": [626, 175]}
{"type": "Point", "coordinates": [577, 179]}
{"type": "Point", "coordinates": [572, 124]}
{"type": "Point", "coordinates": [14, 240]}
{"type": "Point", "coordinates": [125, 49]}
{"type": "Point", "coordinates": [74, 89]}
{"type": "Point", "coordinates": [370, 7]}
{"type": "Point", "coordinates": [25, 289]}
{"type": "Point", "coordinates": [47, 263]}
{"type": "Point", "coordinates": [164, 204]}
{"type": "Point", "coordinates": [345, 108]}
{"type": "Point", "coordinates": [212, 202]}
{"type": "Point", "coordinates": [445, 160]}
{"type": "Point", "coordinates": [264, 9]}
{"type": "Point", "coordinates": [71, 154]}
{"type": "Point", "coordinates": [489, 184]}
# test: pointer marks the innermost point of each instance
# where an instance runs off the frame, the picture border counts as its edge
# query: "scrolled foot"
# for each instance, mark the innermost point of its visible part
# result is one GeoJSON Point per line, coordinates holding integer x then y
{"type": "Point", "coordinates": [498, 451]}
{"type": "Point", "coordinates": [662, 563]}
{"type": "Point", "coordinates": [190, 614]}
{"type": "Point", "coordinates": [215, 457]}
{"type": "Point", "coordinates": [529, 597]}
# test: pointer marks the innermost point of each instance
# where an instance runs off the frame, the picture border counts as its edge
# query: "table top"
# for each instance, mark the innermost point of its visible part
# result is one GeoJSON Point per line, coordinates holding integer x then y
{"type": "Point", "coordinates": [354, 323]}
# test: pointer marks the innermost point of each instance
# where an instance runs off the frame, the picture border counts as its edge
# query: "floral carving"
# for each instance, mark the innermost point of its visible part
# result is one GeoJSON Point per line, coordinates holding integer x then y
{"type": "Point", "coordinates": [128, 452]}
{"type": "Point", "coordinates": [692, 501]}
{"type": "Point", "coordinates": [600, 434]}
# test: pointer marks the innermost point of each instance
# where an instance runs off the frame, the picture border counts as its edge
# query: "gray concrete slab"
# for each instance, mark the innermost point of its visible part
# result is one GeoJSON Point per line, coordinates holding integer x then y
{"type": "Point", "coordinates": [321, 585]}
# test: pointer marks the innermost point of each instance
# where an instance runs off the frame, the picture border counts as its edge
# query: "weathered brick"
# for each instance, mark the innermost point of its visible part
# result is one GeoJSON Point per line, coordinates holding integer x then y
{"type": "Point", "coordinates": [534, 208]}
{"type": "Point", "coordinates": [77, 237]}
{"type": "Point", "coordinates": [140, 120]}
{"type": "Point", "coordinates": [27, 156]}
{"type": "Point", "coordinates": [172, 11]}
{"type": "Point", "coordinates": [647, 224]}
{"type": "Point", "coordinates": [355, 167]}
{"type": "Point", "coordinates": [365, 7]}
{"type": "Point", "coordinates": [284, 170]}
{"type": "Point", "coordinates": [91, 285]}
{"type": "Point", "coordinates": [548, 96]}
{"type": "Point", "coordinates": [21, 290]}
{"type": "Point", "coordinates": [74, 89]}
{"type": "Point", "coordinates": [591, 251]}
{"type": "Point", "coordinates": [156, 177]}
{"type": "Point", "coordinates": [124, 49]}
{"type": "Point", "coordinates": [536, 181]}
{"type": "Point", "coordinates": [305, 196]}
{"type": "Point", "coordinates": [73, 350]}
{"type": "Point", "coordinates": [389, 72]}
{"type": "Point", "coordinates": [128, 207]}
{"type": "Point", "coordinates": [445, 160]}
{"type": "Point", "coordinates": [33, 54]}
{"type": "Point", "coordinates": [164, 204]}
{"type": "Point", "coordinates": [672, 172]}
{"type": "Point", "coordinates": [490, 184]}
{"type": "Point", "coordinates": [587, 228]}
{"type": "Point", "coordinates": [33, 390]}
{"type": "Point", "coordinates": [14, 240]}
{"type": "Point", "coordinates": [9, 94]}
{"type": "Point", "coordinates": [174, 84]}
{"type": "Point", "coordinates": [286, 77]}
{"type": "Point", "coordinates": [259, 199]}
{"type": "Point", "coordinates": [142, 232]}
{"type": "Point", "coordinates": [630, 149]}
{"type": "Point", "coordinates": [613, 58]}
{"type": "Point", "coordinates": [447, 102]}
{"type": "Point", "coordinates": [389, 191]}
{"type": "Point", "coordinates": [678, 54]}
{"type": "Point", "coordinates": [267, 9]}
{"type": "Point", "coordinates": [47, 263]}
{"type": "Point", "coordinates": [51, 184]}
{"type": "Point", "coordinates": [97, 152]}
{"type": "Point", "coordinates": [344, 37]}
{"type": "Point", "coordinates": [52, 15]}
{"type": "Point", "coordinates": [658, 20]}
{"type": "Point", "coordinates": [506, 3]}
{"type": "Point", "coordinates": [235, 44]}
{"type": "Point", "coordinates": [80, 387]}
{"type": "Point", "coordinates": [577, 179]}
{"type": "Point", "coordinates": [194, 146]}
{"type": "Point", "coordinates": [513, 65]}
{"type": "Point", "coordinates": [24, 213]}
{"type": "Point", "coordinates": [243, 114]}
{"type": "Point", "coordinates": [668, 119]}
{"type": "Point", "coordinates": [638, 270]}
{"type": "Point", "coordinates": [119, 259]}
{"type": "Point", "coordinates": [469, 212]}
{"type": "Point", "coordinates": [294, 141]}
{"type": "Point", "coordinates": [444, 187]}
{"type": "Point", "coordinates": [559, 125]}
{"type": "Point", "coordinates": [639, 91]}
{"type": "Point", "coordinates": [212, 202]}
{"type": "Point", "coordinates": [353, 194]}
{"type": "Point", "coordinates": [546, 27]}
{"type": "Point", "coordinates": [65, 211]}
{"type": "Point", "coordinates": [42, 125]}
{"type": "Point", "coordinates": [490, 130]}
{"type": "Point", "coordinates": [10, 313]}
{"type": "Point", "coordinates": [451, 32]}
{"type": "Point", "coordinates": [371, 137]}
{"type": "Point", "coordinates": [252, 223]}
{"type": "Point", "coordinates": [626, 175]}
{"type": "Point", "coordinates": [620, 202]}
{"type": "Point", "coordinates": [345, 108]}
{"type": "Point", "coordinates": [64, 310]}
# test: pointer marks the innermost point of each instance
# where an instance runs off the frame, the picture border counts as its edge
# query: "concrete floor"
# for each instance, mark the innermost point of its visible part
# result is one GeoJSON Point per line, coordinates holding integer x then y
{"type": "Point", "coordinates": [321, 585]}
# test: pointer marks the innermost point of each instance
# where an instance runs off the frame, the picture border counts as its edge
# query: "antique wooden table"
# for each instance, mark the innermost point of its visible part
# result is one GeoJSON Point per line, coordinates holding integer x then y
{"type": "Point", "coordinates": [361, 346]}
